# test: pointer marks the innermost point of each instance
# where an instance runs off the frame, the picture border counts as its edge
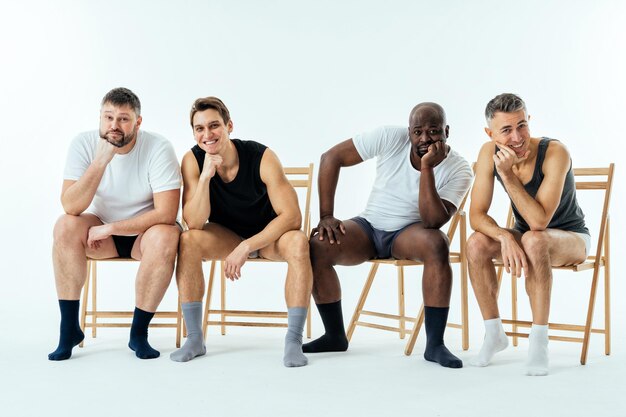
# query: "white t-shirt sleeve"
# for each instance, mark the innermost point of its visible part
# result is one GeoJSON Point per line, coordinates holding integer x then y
{"type": "Point", "coordinates": [371, 144]}
{"type": "Point", "coordinates": [459, 182]}
{"type": "Point", "coordinates": [79, 157]}
{"type": "Point", "coordinates": [163, 170]}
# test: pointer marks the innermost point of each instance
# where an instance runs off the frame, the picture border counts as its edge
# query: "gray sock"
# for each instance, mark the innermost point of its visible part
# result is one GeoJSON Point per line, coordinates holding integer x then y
{"type": "Point", "coordinates": [194, 346]}
{"type": "Point", "coordinates": [296, 317]}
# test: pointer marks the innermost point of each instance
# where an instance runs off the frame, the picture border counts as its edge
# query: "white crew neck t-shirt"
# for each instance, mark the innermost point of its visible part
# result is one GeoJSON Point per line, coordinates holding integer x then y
{"type": "Point", "coordinates": [393, 201]}
{"type": "Point", "coordinates": [130, 180]}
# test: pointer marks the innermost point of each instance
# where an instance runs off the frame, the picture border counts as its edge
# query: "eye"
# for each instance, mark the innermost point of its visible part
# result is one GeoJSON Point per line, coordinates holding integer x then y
{"type": "Point", "coordinates": [124, 119]}
{"type": "Point", "coordinates": [417, 132]}
{"type": "Point", "coordinates": [433, 132]}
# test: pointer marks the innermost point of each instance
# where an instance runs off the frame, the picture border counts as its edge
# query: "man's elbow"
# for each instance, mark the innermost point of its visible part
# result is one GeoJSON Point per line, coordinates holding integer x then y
{"type": "Point", "coordinates": [537, 226]}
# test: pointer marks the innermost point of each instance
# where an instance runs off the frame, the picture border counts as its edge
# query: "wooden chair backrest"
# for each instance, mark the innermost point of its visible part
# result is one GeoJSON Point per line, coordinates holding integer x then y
{"type": "Point", "coordinates": [302, 177]}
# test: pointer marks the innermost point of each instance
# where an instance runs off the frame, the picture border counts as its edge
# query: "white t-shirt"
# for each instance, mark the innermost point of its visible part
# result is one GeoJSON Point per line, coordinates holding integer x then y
{"type": "Point", "coordinates": [129, 180]}
{"type": "Point", "coordinates": [393, 202]}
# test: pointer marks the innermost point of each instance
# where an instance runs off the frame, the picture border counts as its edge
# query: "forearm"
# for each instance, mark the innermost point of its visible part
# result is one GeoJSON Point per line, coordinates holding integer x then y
{"type": "Point", "coordinates": [79, 195]}
{"type": "Point", "coordinates": [281, 224]}
{"type": "Point", "coordinates": [327, 184]}
{"type": "Point", "coordinates": [486, 225]}
{"type": "Point", "coordinates": [532, 212]}
{"type": "Point", "coordinates": [143, 222]}
{"type": "Point", "coordinates": [198, 208]}
{"type": "Point", "coordinates": [433, 212]}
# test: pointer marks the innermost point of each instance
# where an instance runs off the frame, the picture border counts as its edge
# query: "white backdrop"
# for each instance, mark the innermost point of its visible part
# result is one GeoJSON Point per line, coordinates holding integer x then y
{"type": "Point", "coordinates": [299, 77]}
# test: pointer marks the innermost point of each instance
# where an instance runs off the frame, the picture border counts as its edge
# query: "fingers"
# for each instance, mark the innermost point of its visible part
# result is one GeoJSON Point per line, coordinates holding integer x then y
{"type": "Point", "coordinates": [342, 228]}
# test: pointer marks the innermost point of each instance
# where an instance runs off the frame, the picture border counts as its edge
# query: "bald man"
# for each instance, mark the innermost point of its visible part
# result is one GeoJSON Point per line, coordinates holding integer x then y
{"type": "Point", "coordinates": [419, 185]}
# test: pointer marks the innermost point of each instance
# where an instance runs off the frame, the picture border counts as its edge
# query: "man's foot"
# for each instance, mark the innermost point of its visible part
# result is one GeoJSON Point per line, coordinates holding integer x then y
{"type": "Point", "coordinates": [194, 346]}
{"type": "Point", "coordinates": [293, 355]}
{"type": "Point", "coordinates": [142, 348]}
{"type": "Point", "coordinates": [495, 341]}
{"type": "Point", "coordinates": [327, 343]}
{"type": "Point", "coordinates": [442, 356]}
{"type": "Point", "coordinates": [67, 340]}
{"type": "Point", "coordinates": [537, 363]}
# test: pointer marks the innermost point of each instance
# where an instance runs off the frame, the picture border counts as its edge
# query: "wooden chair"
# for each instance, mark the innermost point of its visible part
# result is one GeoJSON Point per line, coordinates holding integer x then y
{"type": "Point", "coordinates": [300, 178]}
{"type": "Point", "coordinates": [596, 260]}
{"type": "Point", "coordinates": [95, 314]}
{"type": "Point", "coordinates": [457, 222]}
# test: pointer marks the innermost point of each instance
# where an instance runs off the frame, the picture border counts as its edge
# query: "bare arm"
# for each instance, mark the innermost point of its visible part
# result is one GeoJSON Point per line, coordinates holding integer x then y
{"type": "Point", "coordinates": [341, 155]}
{"type": "Point", "coordinates": [196, 198]}
{"type": "Point", "coordinates": [434, 211]}
{"type": "Point", "coordinates": [538, 211]}
{"type": "Point", "coordinates": [284, 201]}
{"type": "Point", "coordinates": [164, 212]}
{"type": "Point", "coordinates": [513, 256]}
{"type": "Point", "coordinates": [77, 195]}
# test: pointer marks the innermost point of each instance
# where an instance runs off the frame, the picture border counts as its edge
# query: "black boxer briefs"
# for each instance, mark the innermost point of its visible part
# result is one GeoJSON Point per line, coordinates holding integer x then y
{"type": "Point", "coordinates": [124, 245]}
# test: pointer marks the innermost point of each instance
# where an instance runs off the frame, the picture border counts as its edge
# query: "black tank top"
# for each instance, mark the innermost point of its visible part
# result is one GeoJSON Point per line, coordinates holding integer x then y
{"type": "Point", "coordinates": [568, 215]}
{"type": "Point", "coordinates": [241, 205]}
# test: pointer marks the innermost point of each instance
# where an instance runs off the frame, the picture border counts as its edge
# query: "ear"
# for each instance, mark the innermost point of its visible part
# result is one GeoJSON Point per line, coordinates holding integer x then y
{"type": "Point", "coordinates": [447, 130]}
{"type": "Point", "coordinates": [489, 132]}
{"type": "Point", "coordinates": [229, 125]}
{"type": "Point", "coordinates": [139, 120]}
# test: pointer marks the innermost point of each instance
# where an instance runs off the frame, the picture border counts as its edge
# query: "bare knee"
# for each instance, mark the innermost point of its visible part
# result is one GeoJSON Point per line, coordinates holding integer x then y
{"type": "Point", "coordinates": [161, 240]}
{"type": "Point", "coordinates": [69, 229]}
{"type": "Point", "coordinates": [296, 246]}
{"type": "Point", "coordinates": [322, 252]}
{"type": "Point", "coordinates": [478, 248]}
{"type": "Point", "coordinates": [438, 246]}
{"type": "Point", "coordinates": [536, 246]}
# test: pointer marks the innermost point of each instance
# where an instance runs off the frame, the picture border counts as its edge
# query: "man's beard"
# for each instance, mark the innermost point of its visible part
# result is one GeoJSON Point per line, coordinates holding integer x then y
{"type": "Point", "coordinates": [123, 139]}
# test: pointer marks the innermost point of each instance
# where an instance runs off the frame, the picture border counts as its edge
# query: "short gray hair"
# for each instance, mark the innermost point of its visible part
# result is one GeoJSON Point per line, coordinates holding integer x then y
{"type": "Point", "coordinates": [505, 103]}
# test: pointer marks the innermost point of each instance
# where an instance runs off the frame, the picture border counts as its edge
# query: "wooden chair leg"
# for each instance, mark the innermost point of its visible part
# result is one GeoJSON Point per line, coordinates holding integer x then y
{"type": "Point", "coordinates": [361, 303]}
{"type": "Point", "coordinates": [416, 330]}
{"type": "Point", "coordinates": [94, 307]}
{"type": "Point", "coordinates": [589, 322]}
{"type": "Point", "coordinates": [401, 311]}
{"type": "Point", "coordinates": [83, 307]}
{"type": "Point", "coordinates": [607, 292]}
{"type": "Point", "coordinates": [464, 284]}
{"type": "Point", "coordinates": [514, 307]}
{"type": "Point", "coordinates": [207, 302]}
{"type": "Point", "coordinates": [223, 298]}
{"type": "Point", "coordinates": [308, 322]}
{"type": "Point", "coordinates": [179, 329]}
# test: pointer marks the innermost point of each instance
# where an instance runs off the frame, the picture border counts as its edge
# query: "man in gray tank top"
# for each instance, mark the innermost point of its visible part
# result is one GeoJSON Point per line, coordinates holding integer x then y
{"type": "Point", "coordinates": [549, 230]}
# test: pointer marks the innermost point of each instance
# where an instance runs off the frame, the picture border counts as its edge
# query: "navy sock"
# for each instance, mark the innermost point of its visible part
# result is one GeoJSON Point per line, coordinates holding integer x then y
{"type": "Point", "coordinates": [139, 335]}
{"type": "Point", "coordinates": [435, 322]}
{"type": "Point", "coordinates": [70, 333]}
{"type": "Point", "coordinates": [334, 338]}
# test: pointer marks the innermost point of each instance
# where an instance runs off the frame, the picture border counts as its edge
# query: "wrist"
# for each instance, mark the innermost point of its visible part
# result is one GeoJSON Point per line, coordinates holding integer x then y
{"type": "Point", "coordinates": [245, 246]}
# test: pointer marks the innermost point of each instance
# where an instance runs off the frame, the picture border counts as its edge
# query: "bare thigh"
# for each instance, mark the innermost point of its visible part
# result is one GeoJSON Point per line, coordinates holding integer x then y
{"type": "Point", "coordinates": [216, 241]}
{"type": "Point", "coordinates": [566, 248]}
{"type": "Point", "coordinates": [354, 249]}
{"type": "Point", "coordinates": [107, 248]}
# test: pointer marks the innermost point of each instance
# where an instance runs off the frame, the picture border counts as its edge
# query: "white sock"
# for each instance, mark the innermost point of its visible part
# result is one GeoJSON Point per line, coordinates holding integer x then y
{"type": "Point", "coordinates": [495, 341]}
{"type": "Point", "coordinates": [537, 364]}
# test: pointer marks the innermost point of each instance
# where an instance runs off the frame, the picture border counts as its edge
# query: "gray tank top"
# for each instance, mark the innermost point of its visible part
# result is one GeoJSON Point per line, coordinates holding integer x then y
{"type": "Point", "coordinates": [568, 215]}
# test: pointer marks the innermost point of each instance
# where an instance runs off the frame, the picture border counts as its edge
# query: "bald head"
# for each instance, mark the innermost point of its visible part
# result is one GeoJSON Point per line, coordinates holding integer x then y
{"type": "Point", "coordinates": [428, 109]}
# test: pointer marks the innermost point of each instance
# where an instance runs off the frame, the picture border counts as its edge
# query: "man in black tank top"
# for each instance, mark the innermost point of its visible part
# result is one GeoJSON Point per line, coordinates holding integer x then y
{"type": "Point", "coordinates": [252, 210]}
{"type": "Point", "coordinates": [536, 173]}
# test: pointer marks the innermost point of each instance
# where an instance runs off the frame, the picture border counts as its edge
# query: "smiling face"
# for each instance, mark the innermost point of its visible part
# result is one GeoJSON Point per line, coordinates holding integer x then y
{"type": "Point", "coordinates": [118, 124]}
{"type": "Point", "coordinates": [210, 131]}
{"type": "Point", "coordinates": [510, 129]}
{"type": "Point", "coordinates": [426, 126]}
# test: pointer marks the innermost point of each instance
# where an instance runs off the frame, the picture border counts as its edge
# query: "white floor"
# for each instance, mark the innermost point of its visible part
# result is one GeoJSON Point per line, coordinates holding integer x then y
{"type": "Point", "coordinates": [243, 375]}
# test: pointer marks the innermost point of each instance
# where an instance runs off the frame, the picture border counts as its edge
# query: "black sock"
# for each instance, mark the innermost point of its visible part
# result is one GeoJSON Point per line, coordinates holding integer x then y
{"type": "Point", "coordinates": [435, 322]}
{"type": "Point", "coordinates": [139, 335]}
{"type": "Point", "coordinates": [334, 338]}
{"type": "Point", "coordinates": [70, 334]}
